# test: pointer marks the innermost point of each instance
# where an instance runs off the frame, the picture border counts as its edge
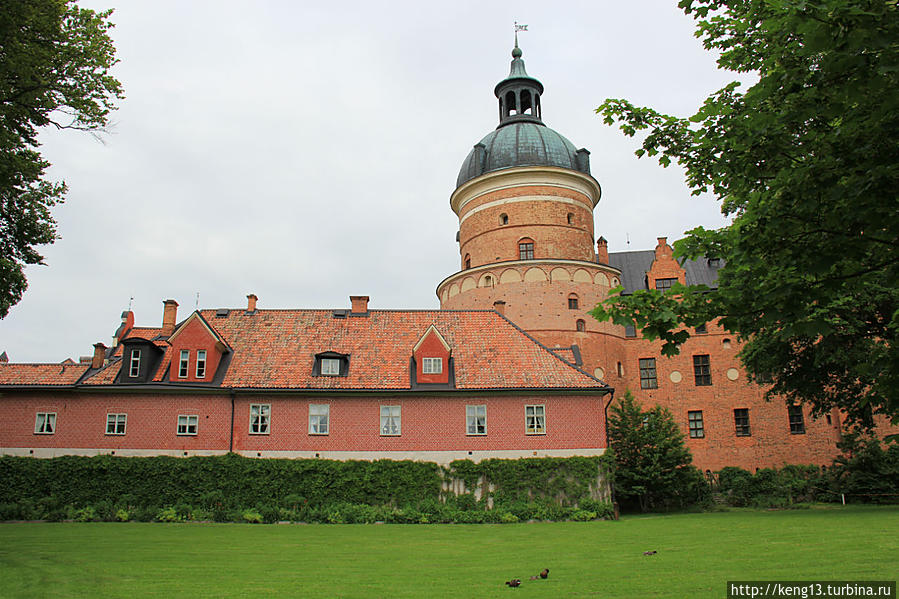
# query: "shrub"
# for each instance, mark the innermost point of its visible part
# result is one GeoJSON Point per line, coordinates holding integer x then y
{"type": "Point", "coordinates": [252, 516]}
{"type": "Point", "coordinates": [122, 515]}
{"type": "Point", "coordinates": [168, 514]}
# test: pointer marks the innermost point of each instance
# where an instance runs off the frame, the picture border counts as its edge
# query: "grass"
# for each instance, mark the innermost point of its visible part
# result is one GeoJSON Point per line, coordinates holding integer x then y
{"type": "Point", "coordinates": [697, 554]}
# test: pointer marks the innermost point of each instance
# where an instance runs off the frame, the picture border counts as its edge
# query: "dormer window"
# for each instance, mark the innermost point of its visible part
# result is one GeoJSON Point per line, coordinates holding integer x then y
{"type": "Point", "coordinates": [432, 365]}
{"type": "Point", "coordinates": [182, 367]}
{"type": "Point", "coordinates": [331, 363]}
{"type": "Point", "coordinates": [134, 367]}
{"type": "Point", "coordinates": [201, 363]}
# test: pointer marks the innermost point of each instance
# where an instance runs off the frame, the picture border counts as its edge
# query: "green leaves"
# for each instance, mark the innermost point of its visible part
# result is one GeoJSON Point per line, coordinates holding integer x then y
{"type": "Point", "coordinates": [56, 58]}
{"type": "Point", "coordinates": [806, 164]}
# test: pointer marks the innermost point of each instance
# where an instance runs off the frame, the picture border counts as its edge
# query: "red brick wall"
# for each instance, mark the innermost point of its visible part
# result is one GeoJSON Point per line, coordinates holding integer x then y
{"type": "Point", "coordinates": [192, 337]}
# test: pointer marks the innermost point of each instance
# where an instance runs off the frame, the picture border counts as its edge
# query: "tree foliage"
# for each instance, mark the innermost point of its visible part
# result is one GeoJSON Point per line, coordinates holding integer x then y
{"type": "Point", "coordinates": [652, 465]}
{"type": "Point", "coordinates": [54, 63]}
{"type": "Point", "coordinates": [806, 165]}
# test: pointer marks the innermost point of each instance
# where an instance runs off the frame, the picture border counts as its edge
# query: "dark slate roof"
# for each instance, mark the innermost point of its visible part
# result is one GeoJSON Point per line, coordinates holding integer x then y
{"type": "Point", "coordinates": [634, 266]}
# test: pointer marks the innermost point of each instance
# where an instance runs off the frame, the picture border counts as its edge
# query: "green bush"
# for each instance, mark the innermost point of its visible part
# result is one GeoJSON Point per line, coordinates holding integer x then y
{"type": "Point", "coordinates": [252, 516]}
{"type": "Point", "coordinates": [168, 514]}
{"type": "Point", "coordinates": [122, 515]}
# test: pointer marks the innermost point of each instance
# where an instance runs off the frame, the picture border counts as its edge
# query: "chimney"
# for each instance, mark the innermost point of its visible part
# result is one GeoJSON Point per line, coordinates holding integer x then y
{"type": "Point", "coordinates": [360, 304]}
{"type": "Point", "coordinates": [251, 303]}
{"type": "Point", "coordinates": [500, 306]}
{"type": "Point", "coordinates": [663, 249]}
{"type": "Point", "coordinates": [602, 250]}
{"type": "Point", "coordinates": [99, 355]}
{"type": "Point", "coordinates": [169, 316]}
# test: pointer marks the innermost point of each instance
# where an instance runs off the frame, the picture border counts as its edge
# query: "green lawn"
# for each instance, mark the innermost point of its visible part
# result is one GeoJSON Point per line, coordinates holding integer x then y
{"type": "Point", "coordinates": [697, 553]}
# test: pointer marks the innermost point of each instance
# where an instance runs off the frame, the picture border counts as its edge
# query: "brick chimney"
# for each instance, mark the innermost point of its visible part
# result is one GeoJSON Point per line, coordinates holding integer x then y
{"type": "Point", "coordinates": [360, 304]}
{"type": "Point", "coordinates": [99, 355]}
{"type": "Point", "coordinates": [663, 249]}
{"type": "Point", "coordinates": [500, 306]}
{"type": "Point", "coordinates": [602, 250]}
{"type": "Point", "coordinates": [251, 303]}
{"type": "Point", "coordinates": [169, 316]}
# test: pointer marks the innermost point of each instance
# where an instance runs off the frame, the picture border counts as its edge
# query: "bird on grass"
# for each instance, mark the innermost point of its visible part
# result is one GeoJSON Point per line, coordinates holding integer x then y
{"type": "Point", "coordinates": [515, 582]}
{"type": "Point", "coordinates": [543, 574]}
{"type": "Point", "coordinates": [650, 552]}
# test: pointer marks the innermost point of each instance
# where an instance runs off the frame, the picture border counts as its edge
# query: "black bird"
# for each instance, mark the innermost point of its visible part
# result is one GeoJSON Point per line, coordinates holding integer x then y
{"type": "Point", "coordinates": [544, 573]}
{"type": "Point", "coordinates": [650, 552]}
{"type": "Point", "coordinates": [514, 582]}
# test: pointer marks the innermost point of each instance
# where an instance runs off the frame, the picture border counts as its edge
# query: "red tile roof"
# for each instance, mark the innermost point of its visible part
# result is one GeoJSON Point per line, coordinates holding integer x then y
{"type": "Point", "coordinates": [41, 374]}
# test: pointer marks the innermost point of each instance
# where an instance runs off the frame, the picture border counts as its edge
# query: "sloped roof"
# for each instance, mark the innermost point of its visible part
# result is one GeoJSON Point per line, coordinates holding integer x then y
{"type": "Point", "coordinates": [634, 266]}
{"type": "Point", "coordinates": [41, 374]}
{"type": "Point", "coordinates": [276, 349]}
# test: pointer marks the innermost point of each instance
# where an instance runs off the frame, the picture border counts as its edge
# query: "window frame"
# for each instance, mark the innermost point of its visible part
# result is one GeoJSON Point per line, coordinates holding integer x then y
{"type": "Point", "coordinates": [526, 249]}
{"type": "Point", "coordinates": [580, 325]}
{"type": "Point", "coordinates": [386, 413]}
{"type": "Point", "coordinates": [742, 426]}
{"type": "Point", "coordinates": [695, 424]}
{"type": "Point", "coordinates": [201, 361]}
{"type": "Point", "coordinates": [472, 413]}
{"type": "Point", "coordinates": [327, 367]}
{"type": "Point", "coordinates": [187, 425]}
{"type": "Point", "coordinates": [184, 364]}
{"type": "Point", "coordinates": [537, 412]}
{"type": "Point", "coordinates": [134, 364]}
{"type": "Point", "coordinates": [319, 419]}
{"type": "Point", "coordinates": [573, 302]}
{"type": "Point", "coordinates": [648, 374]}
{"type": "Point", "coordinates": [40, 428]}
{"type": "Point", "coordinates": [263, 418]}
{"type": "Point", "coordinates": [427, 365]}
{"type": "Point", "coordinates": [666, 283]}
{"type": "Point", "coordinates": [630, 331]}
{"type": "Point", "coordinates": [796, 419]}
{"type": "Point", "coordinates": [116, 420]}
{"type": "Point", "coordinates": [702, 370]}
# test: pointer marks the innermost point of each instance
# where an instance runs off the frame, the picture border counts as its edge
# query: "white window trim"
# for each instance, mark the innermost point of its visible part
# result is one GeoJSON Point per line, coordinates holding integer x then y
{"type": "Point", "coordinates": [318, 410]}
{"type": "Point", "coordinates": [542, 417]}
{"type": "Point", "coordinates": [201, 359]}
{"type": "Point", "coordinates": [47, 416]}
{"type": "Point", "coordinates": [267, 414]}
{"type": "Point", "coordinates": [184, 364]}
{"type": "Point", "coordinates": [385, 417]}
{"type": "Point", "coordinates": [187, 433]}
{"type": "Point", "coordinates": [115, 423]}
{"type": "Point", "coordinates": [427, 365]}
{"type": "Point", "coordinates": [134, 366]}
{"type": "Point", "coordinates": [468, 420]}
{"type": "Point", "coordinates": [328, 367]}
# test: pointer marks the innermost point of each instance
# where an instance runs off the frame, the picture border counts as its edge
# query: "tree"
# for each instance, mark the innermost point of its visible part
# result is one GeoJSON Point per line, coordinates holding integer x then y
{"type": "Point", "coordinates": [806, 165]}
{"type": "Point", "coordinates": [652, 465]}
{"type": "Point", "coordinates": [54, 70]}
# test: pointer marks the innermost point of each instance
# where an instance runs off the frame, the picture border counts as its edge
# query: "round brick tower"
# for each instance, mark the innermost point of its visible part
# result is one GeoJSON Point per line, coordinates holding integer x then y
{"type": "Point", "coordinates": [525, 201]}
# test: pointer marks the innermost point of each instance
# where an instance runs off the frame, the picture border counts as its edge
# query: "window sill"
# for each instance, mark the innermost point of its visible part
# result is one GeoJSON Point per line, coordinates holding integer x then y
{"type": "Point", "coordinates": [535, 434]}
{"type": "Point", "coordinates": [258, 434]}
{"type": "Point", "coordinates": [475, 434]}
{"type": "Point", "coordinates": [114, 434]}
{"type": "Point", "coordinates": [318, 434]}
{"type": "Point", "coordinates": [185, 434]}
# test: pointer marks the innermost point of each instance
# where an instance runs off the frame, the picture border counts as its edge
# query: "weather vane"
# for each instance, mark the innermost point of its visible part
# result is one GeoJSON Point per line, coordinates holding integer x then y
{"type": "Point", "coordinates": [517, 29]}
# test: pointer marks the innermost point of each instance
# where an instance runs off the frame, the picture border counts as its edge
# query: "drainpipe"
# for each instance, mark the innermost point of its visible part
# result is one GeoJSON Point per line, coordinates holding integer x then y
{"type": "Point", "coordinates": [605, 413]}
{"type": "Point", "coordinates": [231, 442]}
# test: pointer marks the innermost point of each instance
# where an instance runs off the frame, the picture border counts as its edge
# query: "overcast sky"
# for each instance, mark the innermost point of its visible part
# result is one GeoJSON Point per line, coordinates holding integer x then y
{"type": "Point", "coordinates": [306, 152]}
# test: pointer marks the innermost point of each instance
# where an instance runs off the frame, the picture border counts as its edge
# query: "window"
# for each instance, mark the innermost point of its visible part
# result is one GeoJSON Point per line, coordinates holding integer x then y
{"type": "Point", "coordinates": [535, 420]}
{"type": "Point", "coordinates": [185, 359]}
{"type": "Point", "coordinates": [630, 331]}
{"type": "Point", "coordinates": [702, 371]}
{"type": "Point", "coordinates": [648, 378]}
{"type": "Point", "coordinates": [572, 302]}
{"type": "Point", "coordinates": [134, 368]}
{"type": "Point", "coordinates": [526, 250]}
{"type": "Point", "coordinates": [431, 365]}
{"type": "Point", "coordinates": [664, 284]}
{"type": "Point", "coordinates": [580, 325]}
{"type": "Point", "coordinates": [187, 424]}
{"type": "Point", "coordinates": [504, 219]}
{"type": "Point", "coordinates": [702, 329]}
{"type": "Point", "coordinates": [620, 369]}
{"type": "Point", "coordinates": [201, 363]}
{"type": "Point", "coordinates": [570, 218]}
{"type": "Point", "coordinates": [115, 424]}
{"type": "Point", "coordinates": [260, 415]}
{"type": "Point", "coordinates": [330, 367]}
{"type": "Point", "coordinates": [797, 421]}
{"type": "Point", "coordinates": [476, 420]}
{"type": "Point", "coordinates": [390, 420]}
{"type": "Point", "coordinates": [741, 422]}
{"type": "Point", "coordinates": [318, 419]}
{"type": "Point", "coordinates": [45, 423]}
{"type": "Point", "coordinates": [694, 422]}
{"type": "Point", "coordinates": [467, 261]}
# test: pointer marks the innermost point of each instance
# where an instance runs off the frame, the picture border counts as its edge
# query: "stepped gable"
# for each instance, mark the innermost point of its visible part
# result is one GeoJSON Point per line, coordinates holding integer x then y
{"type": "Point", "coordinates": [39, 375]}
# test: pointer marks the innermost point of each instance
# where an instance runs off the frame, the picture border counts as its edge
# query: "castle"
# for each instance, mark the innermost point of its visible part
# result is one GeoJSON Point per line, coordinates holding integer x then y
{"type": "Point", "coordinates": [512, 365]}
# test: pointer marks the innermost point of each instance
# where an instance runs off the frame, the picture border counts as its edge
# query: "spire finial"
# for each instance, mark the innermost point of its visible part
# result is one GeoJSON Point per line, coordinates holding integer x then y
{"type": "Point", "coordinates": [516, 52]}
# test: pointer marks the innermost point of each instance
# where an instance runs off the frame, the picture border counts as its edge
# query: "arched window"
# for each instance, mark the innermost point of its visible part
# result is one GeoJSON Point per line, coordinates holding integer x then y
{"type": "Point", "coordinates": [570, 218]}
{"type": "Point", "coordinates": [467, 261]}
{"type": "Point", "coordinates": [581, 325]}
{"type": "Point", "coordinates": [525, 102]}
{"type": "Point", "coordinates": [620, 369]}
{"type": "Point", "coordinates": [511, 107]}
{"type": "Point", "coordinates": [572, 301]}
{"type": "Point", "coordinates": [488, 281]}
{"type": "Point", "coordinates": [526, 249]}
{"type": "Point", "coordinates": [504, 219]}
